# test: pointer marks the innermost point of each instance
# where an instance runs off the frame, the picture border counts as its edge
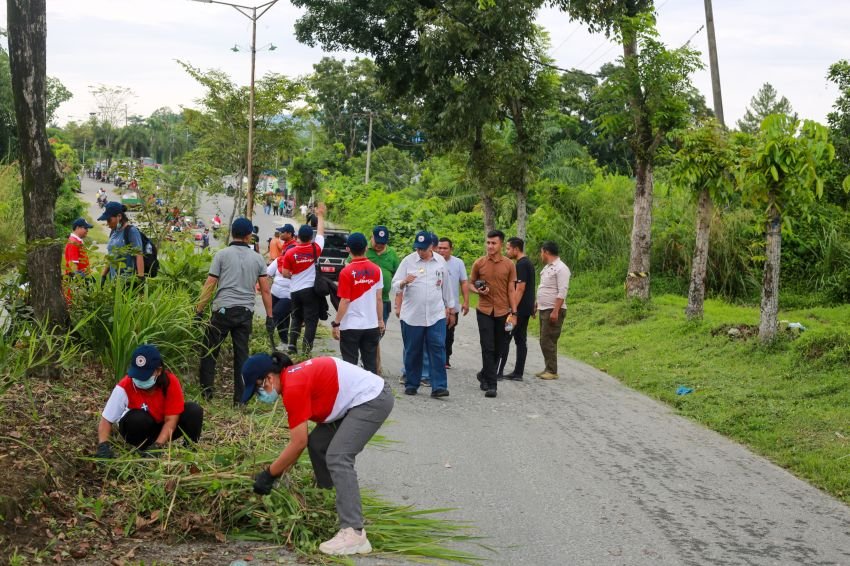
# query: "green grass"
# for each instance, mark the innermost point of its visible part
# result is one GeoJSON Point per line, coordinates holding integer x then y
{"type": "Point", "coordinates": [788, 402]}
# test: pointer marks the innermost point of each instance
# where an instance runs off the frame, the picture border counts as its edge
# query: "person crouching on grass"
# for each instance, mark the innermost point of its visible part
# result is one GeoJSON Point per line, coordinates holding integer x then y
{"type": "Point", "coordinates": [148, 406]}
{"type": "Point", "coordinates": [349, 405]}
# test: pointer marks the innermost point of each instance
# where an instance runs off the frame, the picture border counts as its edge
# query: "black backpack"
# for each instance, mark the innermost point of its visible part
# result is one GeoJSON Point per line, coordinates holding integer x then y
{"type": "Point", "coordinates": [149, 252]}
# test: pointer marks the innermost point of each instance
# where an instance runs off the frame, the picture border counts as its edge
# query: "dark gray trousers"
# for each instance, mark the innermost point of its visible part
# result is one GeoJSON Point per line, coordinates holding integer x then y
{"type": "Point", "coordinates": [334, 446]}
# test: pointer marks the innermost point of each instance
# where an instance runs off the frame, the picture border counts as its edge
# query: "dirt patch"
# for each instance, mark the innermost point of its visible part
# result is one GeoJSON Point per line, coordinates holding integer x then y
{"type": "Point", "coordinates": [736, 331]}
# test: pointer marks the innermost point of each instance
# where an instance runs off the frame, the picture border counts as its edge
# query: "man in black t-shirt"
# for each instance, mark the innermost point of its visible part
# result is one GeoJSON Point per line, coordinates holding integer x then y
{"type": "Point", "coordinates": [524, 293]}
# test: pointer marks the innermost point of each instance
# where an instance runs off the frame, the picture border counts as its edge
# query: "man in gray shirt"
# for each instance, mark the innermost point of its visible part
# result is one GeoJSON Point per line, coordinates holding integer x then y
{"type": "Point", "coordinates": [233, 275]}
{"type": "Point", "coordinates": [457, 281]}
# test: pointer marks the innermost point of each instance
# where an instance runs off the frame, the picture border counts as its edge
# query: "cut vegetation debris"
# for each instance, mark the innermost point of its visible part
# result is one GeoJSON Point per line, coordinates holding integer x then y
{"type": "Point", "coordinates": [73, 506]}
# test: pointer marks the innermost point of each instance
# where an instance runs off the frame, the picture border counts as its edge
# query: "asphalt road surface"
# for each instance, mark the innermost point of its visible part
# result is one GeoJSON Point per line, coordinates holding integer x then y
{"type": "Point", "coordinates": [584, 471]}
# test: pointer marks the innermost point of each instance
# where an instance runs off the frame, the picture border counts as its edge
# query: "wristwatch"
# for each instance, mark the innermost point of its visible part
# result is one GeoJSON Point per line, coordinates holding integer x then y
{"type": "Point", "coordinates": [334, 324]}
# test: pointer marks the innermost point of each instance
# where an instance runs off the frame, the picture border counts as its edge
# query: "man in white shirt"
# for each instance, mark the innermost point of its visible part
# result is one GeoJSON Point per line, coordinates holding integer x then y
{"type": "Point", "coordinates": [457, 281]}
{"type": "Point", "coordinates": [427, 303]}
{"type": "Point", "coordinates": [551, 304]}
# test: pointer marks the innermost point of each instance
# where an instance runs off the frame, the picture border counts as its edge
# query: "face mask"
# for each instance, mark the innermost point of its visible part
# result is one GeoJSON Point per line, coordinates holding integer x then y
{"type": "Point", "coordinates": [146, 384]}
{"type": "Point", "coordinates": [266, 397]}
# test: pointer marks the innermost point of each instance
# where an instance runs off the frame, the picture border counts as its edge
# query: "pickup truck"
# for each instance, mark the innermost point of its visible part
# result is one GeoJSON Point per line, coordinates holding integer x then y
{"type": "Point", "coordinates": [334, 254]}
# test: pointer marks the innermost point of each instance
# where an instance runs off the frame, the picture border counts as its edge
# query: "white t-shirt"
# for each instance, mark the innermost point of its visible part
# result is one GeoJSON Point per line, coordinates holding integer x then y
{"type": "Point", "coordinates": [280, 284]}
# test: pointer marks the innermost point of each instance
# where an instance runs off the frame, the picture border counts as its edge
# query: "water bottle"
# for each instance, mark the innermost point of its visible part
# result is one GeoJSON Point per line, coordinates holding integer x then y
{"type": "Point", "coordinates": [509, 326]}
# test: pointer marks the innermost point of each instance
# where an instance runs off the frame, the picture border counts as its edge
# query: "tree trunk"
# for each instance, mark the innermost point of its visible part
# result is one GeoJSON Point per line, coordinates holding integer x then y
{"type": "Point", "coordinates": [637, 280]}
{"type": "Point", "coordinates": [696, 293]}
{"type": "Point", "coordinates": [769, 323]}
{"type": "Point", "coordinates": [521, 211]}
{"type": "Point", "coordinates": [41, 177]}
{"type": "Point", "coordinates": [489, 209]}
{"type": "Point", "coordinates": [478, 162]}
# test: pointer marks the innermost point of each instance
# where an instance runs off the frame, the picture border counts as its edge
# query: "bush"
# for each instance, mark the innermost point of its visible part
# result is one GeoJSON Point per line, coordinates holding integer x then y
{"type": "Point", "coordinates": [182, 266]}
{"type": "Point", "coordinates": [124, 315]}
{"type": "Point", "coordinates": [828, 348]}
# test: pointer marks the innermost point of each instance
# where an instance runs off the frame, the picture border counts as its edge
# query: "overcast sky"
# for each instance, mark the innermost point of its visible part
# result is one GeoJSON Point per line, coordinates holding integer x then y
{"type": "Point", "coordinates": [135, 44]}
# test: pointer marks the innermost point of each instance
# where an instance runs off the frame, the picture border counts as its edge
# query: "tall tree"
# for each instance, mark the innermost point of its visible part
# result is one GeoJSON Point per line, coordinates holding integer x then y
{"type": "Point", "coordinates": [652, 85]}
{"type": "Point", "coordinates": [458, 60]}
{"type": "Point", "coordinates": [783, 173]}
{"type": "Point", "coordinates": [704, 164]}
{"type": "Point", "coordinates": [762, 105]}
{"type": "Point", "coordinates": [839, 129]}
{"type": "Point", "coordinates": [40, 174]}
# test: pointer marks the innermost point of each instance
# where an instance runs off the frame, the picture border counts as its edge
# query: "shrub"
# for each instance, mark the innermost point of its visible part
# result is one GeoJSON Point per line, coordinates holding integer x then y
{"type": "Point", "coordinates": [124, 315]}
{"type": "Point", "coordinates": [829, 348]}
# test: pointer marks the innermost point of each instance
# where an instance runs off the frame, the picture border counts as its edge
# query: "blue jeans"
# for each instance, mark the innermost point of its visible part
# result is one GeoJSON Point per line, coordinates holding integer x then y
{"type": "Point", "coordinates": [388, 308]}
{"type": "Point", "coordinates": [415, 338]}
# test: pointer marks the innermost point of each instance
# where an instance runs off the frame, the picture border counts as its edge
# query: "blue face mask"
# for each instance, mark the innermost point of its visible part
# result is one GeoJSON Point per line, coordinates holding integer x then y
{"type": "Point", "coordinates": [146, 384]}
{"type": "Point", "coordinates": [267, 397]}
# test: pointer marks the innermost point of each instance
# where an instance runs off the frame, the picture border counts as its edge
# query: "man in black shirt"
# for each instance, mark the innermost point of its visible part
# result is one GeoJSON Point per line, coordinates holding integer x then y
{"type": "Point", "coordinates": [524, 293]}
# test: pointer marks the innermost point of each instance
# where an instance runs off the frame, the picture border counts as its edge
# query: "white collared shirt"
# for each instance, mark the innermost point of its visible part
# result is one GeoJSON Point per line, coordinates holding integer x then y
{"type": "Point", "coordinates": [429, 295]}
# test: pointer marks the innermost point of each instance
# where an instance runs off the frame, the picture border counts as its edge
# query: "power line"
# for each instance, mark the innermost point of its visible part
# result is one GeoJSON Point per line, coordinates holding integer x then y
{"type": "Point", "coordinates": [572, 33]}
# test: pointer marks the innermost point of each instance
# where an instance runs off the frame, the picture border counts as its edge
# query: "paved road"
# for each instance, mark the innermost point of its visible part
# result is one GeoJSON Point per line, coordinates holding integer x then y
{"type": "Point", "coordinates": [584, 471]}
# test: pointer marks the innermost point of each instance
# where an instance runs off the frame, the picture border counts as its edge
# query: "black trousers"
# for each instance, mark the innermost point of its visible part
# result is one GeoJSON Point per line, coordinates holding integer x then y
{"type": "Point", "coordinates": [450, 337]}
{"type": "Point", "coordinates": [139, 429]}
{"type": "Point", "coordinates": [237, 322]}
{"type": "Point", "coordinates": [281, 309]}
{"type": "Point", "coordinates": [492, 336]}
{"type": "Point", "coordinates": [305, 310]}
{"type": "Point", "coordinates": [362, 344]}
{"type": "Point", "coordinates": [520, 338]}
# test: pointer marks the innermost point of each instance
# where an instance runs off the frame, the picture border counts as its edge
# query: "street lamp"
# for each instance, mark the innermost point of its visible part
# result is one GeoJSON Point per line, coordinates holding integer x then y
{"type": "Point", "coordinates": [253, 13]}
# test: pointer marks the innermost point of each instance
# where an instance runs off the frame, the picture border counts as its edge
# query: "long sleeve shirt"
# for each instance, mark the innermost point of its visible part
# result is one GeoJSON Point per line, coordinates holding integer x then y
{"type": "Point", "coordinates": [428, 296]}
{"type": "Point", "coordinates": [554, 283]}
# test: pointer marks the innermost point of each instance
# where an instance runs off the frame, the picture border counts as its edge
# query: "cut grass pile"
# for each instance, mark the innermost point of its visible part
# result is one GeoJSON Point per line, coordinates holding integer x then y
{"type": "Point", "coordinates": [208, 492]}
{"type": "Point", "coordinates": [788, 402]}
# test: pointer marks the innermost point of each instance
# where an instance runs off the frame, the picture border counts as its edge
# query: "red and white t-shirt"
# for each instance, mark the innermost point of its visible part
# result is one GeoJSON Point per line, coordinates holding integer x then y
{"type": "Point", "coordinates": [76, 256]}
{"type": "Point", "coordinates": [359, 282]}
{"type": "Point", "coordinates": [323, 389]}
{"type": "Point", "coordinates": [301, 261]}
{"type": "Point", "coordinates": [127, 396]}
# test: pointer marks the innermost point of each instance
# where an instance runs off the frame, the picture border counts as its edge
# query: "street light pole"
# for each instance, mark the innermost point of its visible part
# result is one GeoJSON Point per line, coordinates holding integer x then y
{"type": "Point", "coordinates": [253, 13]}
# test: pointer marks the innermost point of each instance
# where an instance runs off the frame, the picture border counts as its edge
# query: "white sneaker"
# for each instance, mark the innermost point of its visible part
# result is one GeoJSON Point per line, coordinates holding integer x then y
{"type": "Point", "coordinates": [346, 542]}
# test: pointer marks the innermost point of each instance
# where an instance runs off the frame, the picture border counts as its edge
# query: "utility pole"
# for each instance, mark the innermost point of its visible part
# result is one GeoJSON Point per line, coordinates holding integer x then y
{"type": "Point", "coordinates": [713, 63]}
{"type": "Point", "coordinates": [250, 12]}
{"type": "Point", "coordinates": [369, 149]}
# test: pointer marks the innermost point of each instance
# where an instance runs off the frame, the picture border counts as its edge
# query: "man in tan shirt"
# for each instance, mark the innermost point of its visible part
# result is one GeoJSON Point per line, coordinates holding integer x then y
{"type": "Point", "coordinates": [492, 280]}
{"type": "Point", "coordinates": [551, 304]}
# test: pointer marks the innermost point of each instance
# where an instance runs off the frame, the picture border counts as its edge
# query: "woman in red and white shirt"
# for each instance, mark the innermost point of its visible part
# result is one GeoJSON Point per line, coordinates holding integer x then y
{"type": "Point", "coordinates": [148, 406]}
{"type": "Point", "coordinates": [349, 405]}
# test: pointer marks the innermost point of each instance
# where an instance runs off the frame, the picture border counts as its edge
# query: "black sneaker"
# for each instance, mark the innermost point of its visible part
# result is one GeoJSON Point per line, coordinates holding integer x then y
{"type": "Point", "coordinates": [481, 383]}
{"type": "Point", "coordinates": [292, 349]}
{"type": "Point", "coordinates": [513, 377]}
{"type": "Point", "coordinates": [490, 393]}
{"type": "Point", "coordinates": [410, 391]}
{"type": "Point", "coordinates": [440, 393]}
{"type": "Point", "coordinates": [426, 383]}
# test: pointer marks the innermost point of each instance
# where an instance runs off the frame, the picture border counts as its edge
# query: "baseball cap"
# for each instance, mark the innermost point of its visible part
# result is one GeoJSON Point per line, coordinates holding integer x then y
{"type": "Point", "coordinates": [254, 368]}
{"type": "Point", "coordinates": [81, 223]}
{"type": "Point", "coordinates": [287, 228]}
{"type": "Point", "coordinates": [241, 227]}
{"type": "Point", "coordinates": [305, 233]}
{"type": "Point", "coordinates": [356, 242]}
{"type": "Point", "coordinates": [422, 240]}
{"type": "Point", "coordinates": [111, 209]}
{"type": "Point", "coordinates": [144, 361]}
{"type": "Point", "coordinates": [381, 234]}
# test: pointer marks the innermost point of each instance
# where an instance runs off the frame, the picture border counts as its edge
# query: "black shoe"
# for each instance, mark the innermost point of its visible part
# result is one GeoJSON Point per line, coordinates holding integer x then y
{"type": "Point", "coordinates": [292, 349]}
{"type": "Point", "coordinates": [425, 383]}
{"type": "Point", "coordinates": [490, 393]}
{"type": "Point", "coordinates": [410, 391]}
{"type": "Point", "coordinates": [440, 393]}
{"type": "Point", "coordinates": [499, 377]}
{"type": "Point", "coordinates": [513, 377]}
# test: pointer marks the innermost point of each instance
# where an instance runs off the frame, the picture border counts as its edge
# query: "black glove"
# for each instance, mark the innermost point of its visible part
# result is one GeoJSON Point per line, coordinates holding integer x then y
{"type": "Point", "coordinates": [270, 324]}
{"type": "Point", "coordinates": [104, 450]}
{"type": "Point", "coordinates": [264, 482]}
